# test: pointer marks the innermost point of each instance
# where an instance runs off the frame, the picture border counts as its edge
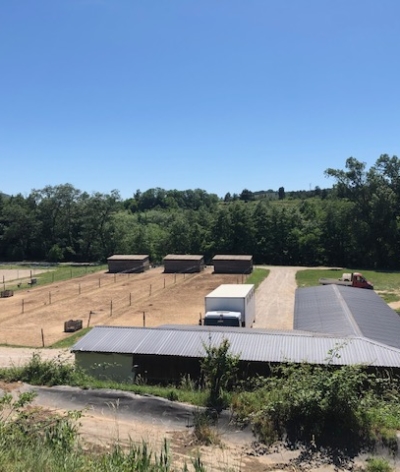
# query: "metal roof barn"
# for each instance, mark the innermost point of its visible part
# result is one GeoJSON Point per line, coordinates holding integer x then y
{"type": "Point", "coordinates": [346, 311]}
{"type": "Point", "coordinates": [232, 264]}
{"type": "Point", "coordinates": [180, 263]}
{"type": "Point", "coordinates": [128, 263]}
{"type": "Point", "coordinates": [252, 345]}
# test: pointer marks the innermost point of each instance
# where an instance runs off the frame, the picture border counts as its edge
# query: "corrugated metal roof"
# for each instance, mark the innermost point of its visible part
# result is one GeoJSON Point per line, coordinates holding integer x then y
{"type": "Point", "coordinates": [182, 257]}
{"type": "Point", "coordinates": [346, 311]}
{"type": "Point", "coordinates": [121, 257]}
{"type": "Point", "coordinates": [231, 291]}
{"type": "Point", "coordinates": [225, 257]}
{"type": "Point", "coordinates": [251, 345]}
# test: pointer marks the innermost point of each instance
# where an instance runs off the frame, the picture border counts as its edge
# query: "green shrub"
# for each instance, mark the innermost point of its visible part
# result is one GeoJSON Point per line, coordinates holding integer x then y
{"type": "Point", "coordinates": [56, 371]}
{"type": "Point", "coordinates": [220, 371]}
{"type": "Point", "coordinates": [333, 408]}
{"type": "Point", "coordinates": [378, 464]}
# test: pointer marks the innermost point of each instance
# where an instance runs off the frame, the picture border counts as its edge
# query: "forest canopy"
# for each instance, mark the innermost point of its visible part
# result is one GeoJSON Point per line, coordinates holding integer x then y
{"type": "Point", "coordinates": [356, 223]}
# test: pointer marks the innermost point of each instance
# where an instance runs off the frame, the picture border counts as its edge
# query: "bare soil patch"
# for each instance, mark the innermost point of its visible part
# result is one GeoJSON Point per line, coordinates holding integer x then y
{"type": "Point", "coordinates": [36, 316]}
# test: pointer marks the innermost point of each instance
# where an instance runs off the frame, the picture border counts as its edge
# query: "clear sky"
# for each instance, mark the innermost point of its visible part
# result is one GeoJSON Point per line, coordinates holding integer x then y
{"type": "Point", "coordinates": [214, 94]}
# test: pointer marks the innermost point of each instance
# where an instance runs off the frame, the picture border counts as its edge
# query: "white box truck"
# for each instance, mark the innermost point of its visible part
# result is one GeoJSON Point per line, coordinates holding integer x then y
{"type": "Point", "coordinates": [231, 305]}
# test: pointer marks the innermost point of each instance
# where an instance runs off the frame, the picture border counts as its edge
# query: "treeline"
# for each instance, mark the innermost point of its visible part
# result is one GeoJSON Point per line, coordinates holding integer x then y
{"type": "Point", "coordinates": [354, 224]}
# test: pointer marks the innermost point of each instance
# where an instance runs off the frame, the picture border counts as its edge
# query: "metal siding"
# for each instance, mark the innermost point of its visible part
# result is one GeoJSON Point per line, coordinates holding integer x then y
{"type": "Point", "coordinates": [251, 346]}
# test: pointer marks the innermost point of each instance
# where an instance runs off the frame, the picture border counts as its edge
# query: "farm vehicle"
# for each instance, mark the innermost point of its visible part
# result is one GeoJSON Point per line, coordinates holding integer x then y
{"type": "Point", "coordinates": [353, 279]}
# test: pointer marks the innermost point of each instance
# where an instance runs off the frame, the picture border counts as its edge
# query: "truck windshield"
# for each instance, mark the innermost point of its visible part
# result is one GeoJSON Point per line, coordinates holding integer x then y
{"type": "Point", "coordinates": [221, 322]}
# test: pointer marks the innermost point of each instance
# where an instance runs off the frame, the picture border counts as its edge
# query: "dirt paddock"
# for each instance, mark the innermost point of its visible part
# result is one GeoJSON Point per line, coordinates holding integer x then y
{"type": "Point", "coordinates": [36, 316]}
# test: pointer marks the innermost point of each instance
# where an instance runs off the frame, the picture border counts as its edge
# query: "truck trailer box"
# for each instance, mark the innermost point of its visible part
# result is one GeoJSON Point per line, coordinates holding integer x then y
{"type": "Point", "coordinates": [235, 298]}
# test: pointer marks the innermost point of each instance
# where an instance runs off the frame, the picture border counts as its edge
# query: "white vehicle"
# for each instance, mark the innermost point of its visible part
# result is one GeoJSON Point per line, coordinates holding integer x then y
{"type": "Point", "coordinates": [231, 305]}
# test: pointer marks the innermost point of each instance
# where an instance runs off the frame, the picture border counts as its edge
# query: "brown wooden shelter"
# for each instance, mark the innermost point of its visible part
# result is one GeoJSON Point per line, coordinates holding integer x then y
{"type": "Point", "coordinates": [232, 264]}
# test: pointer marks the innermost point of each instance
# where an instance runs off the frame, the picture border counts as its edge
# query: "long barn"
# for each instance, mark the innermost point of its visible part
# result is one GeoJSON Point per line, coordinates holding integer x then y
{"type": "Point", "coordinates": [167, 353]}
{"type": "Point", "coordinates": [178, 263]}
{"type": "Point", "coordinates": [128, 263]}
{"type": "Point", "coordinates": [231, 264]}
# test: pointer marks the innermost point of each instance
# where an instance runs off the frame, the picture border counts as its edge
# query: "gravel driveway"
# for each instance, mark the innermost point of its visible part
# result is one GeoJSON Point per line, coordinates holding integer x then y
{"type": "Point", "coordinates": [275, 298]}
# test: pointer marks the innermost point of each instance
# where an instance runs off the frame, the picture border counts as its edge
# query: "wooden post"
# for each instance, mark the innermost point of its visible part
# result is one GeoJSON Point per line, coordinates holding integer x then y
{"type": "Point", "coordinates": [42, 336]}
{"type": "Point", "coordinates": [130, 299]}
{"type": "Point", "coordinates": [3, 280]}
{"type": "Point", "coordinates": [31, 274]}
{"type": "Point", "coordinates": [144, 319]}
{"type": "Point", "coordinates": [164, 282]}
{"type": "Point", "coordinates": [22, 306]}
{"type": "Point", "coordinates": [115, 278]}
{"type": "Point", "coordinates": [111, 308]}
{"type": "Point", "coordinates": [90, 316]}
{"type": "Point", "coordinates": [200, 320]}
{"type": "Point", "coordinates": [175, 279]}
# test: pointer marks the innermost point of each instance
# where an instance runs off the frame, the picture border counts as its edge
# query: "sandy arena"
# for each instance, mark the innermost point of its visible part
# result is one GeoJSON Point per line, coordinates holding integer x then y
{"type": "Point", "coordinates": [36, 316]}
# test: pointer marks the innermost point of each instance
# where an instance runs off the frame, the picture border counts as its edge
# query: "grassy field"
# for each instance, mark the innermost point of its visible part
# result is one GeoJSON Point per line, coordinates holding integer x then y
{"type": "Point", "coordinates": [53, 273]}
{"type": "Point", "coordinates": [257, 276]}
{"type": "Point", "coordinates": [386, 283]}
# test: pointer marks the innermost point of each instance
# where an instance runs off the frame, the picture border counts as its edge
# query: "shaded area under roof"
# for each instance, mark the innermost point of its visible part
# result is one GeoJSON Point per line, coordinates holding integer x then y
{"type": "Point", "coordinates": [346, 311]}
{"type": "Point", "coordinates": [251, 345]}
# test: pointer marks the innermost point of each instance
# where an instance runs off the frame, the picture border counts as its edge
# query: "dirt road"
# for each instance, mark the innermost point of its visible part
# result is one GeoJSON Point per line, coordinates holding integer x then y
{"type": "Point", "coordinates": [275, 299]}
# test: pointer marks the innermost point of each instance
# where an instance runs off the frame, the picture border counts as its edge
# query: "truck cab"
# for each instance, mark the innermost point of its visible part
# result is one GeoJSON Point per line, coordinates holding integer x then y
{"type": "Point", "coordinates": [358, 280]}
{"type": "Point", "coordinates": [223, 318]}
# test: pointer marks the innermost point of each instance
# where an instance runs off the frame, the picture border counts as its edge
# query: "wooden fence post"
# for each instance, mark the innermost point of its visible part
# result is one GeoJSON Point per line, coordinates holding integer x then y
{"type": "Point", "coordinates": [42, 333]}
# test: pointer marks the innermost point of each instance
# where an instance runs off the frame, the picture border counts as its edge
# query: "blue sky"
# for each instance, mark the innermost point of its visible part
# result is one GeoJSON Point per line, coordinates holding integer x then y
{"type": "Point", "coordinates": [220, 95]}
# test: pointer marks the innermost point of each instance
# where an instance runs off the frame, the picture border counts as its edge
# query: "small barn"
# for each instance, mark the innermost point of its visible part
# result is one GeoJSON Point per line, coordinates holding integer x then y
{"type": "Point", "coordinates": [128, 263]}
{"type": "Point", "coordinates": [184, 264]}
{"type": "Point", "coordinates": [165, 354]}
{"type": "Point", "coordinates": [230, 264]}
